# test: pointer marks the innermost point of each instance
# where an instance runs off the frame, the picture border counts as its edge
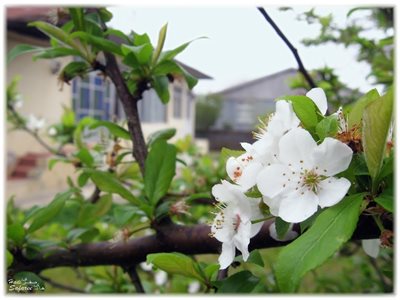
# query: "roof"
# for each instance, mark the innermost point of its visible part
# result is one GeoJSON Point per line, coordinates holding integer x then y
{"type": "Point", "coordinates": [18, 17]}
{"type": "Point", "coordinates": [257, 80]}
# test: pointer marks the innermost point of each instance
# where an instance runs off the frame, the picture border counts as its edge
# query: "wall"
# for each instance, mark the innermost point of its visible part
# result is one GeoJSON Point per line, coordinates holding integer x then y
{"type": "Point", "coordinates": [39, 89]}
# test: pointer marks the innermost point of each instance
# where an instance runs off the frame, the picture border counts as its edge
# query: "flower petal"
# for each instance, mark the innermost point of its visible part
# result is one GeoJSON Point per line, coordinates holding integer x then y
{"type": "Point", "coordinates": [298, 206]}
{"type": "Point", "coordinates": [332, 190]}
{"type": "Point", "coordinates": [285, 113]}
{"type": "Point", "coordinates": [371, 247]}
{"type": "Point", "coordinates": [227, 255]}
{"type": "Point", "coordinates": [273, 180]}
{"type": "Point", "coordinates": [273, 204]}
{"type": "Point", "coordinates": [242, 239]}
{"type": "Point", "coordinates": [224, 192]}
{"type": "Point", "coordinates": [317, 95]}
{"type": "Point", "coordinates": [332, 157]}
{"type": "Point", "coordinates": [290, 234]}
{"type": "Point", "coordinates": [249, 175]}
{"type": "Point", "coordinates": [233, 168]}
{"type": "Point", "coordinates": [295, 148]}
{"type": "Point", "coordinates": [222, 228]}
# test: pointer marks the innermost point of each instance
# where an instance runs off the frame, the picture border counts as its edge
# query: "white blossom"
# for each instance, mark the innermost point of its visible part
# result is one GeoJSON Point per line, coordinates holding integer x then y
{"type": "Point", "coordinates": [371, 247]}
{"type": "Point", "coordinates": [160, 278]}
{"type": "Point", "coordinates": [233, 223]}
{"type": "Point", "coordinates": [302, 178]}
{"type": "Point", "coordinates": [18, 102]}
{"type": "Point", "coordinates": [194, 287]}
{"type": "Point", "coordinates": [146, 266]}
{"type": "Point", "coordinates": [243, 170]}
{"type": "Point", "coordinates": [52, 131]}
{"type": "Point", "coordinates": [317, 95]}
{"type": "Point", "coordinates": [289, 235]}
{"type": "Point", "coordinates": [34, 123]}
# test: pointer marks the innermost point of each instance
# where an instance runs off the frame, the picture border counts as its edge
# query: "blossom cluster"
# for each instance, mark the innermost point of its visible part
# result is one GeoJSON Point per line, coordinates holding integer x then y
{"type": "Point", "coordinates": [294, 175]}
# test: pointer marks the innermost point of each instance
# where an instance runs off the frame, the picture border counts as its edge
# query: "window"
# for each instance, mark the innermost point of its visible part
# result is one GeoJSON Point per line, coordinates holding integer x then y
{"type": "Point", "coordinates": [151, 109]}
{"type": "Point", "coordinates": [94, 97]}
{"type": "Point", "coordinates": [177, 102]}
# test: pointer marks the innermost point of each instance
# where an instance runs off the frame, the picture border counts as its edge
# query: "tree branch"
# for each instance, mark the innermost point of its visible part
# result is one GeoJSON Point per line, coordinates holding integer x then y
{"type": "Point", "coordinates": [129, 103]}
{"type": "Point", "coordinates": [170, 238]}
{"type": "Point", "coordinates": [302, 69]}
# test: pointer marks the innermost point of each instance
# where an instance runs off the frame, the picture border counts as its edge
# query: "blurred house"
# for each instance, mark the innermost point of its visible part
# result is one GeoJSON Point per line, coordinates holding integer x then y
{"type": "Point", "coordinates": [91, 96]}
{"type": "Point", "coordinates": [243, 104]}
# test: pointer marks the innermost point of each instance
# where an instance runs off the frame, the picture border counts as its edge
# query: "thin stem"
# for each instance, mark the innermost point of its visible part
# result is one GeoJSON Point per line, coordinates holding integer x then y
{"type": "Point", "coordinates": [300, 64]}
{"type": "Point", "coordinates": [135, 279]}
{"type": "Point", "coordinates": [262, 219]}
{"type": "Point", "coordinates": [386, 288]}
{"type": "Point", "coordinates": [62, 286]}
{"type": "Point", "coordinates": [34, 134]}
{"type": "Point", "coordinates": [222, 274]}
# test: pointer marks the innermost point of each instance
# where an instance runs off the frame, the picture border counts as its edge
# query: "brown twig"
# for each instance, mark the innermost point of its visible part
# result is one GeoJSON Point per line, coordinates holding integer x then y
{"type": "Point", "coordinates": [300, 64]}
{"type": "Point", "coordinates": [135, 279]}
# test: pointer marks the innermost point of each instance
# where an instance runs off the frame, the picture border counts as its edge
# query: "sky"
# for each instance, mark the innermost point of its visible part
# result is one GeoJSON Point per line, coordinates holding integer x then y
{"type": "Point", "coordinates": [240, 44]}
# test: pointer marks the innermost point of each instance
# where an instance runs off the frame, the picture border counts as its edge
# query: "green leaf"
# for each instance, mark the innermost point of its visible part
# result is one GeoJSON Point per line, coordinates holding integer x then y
{"type": "Point", "coordinates": [305, 109]}
{"type": "Point", "coordinates": [105, 14]}
{"type": "Point", "coordinates": [10, 258]}
{"type": "Point", "coordinates": [172, 67]}
{"type": "Point", "coordinates": [140, 39]}
{"type": "Point", "coordinates": [53, 161]}
{"type": "Point", "coordinates": [83, 234]}
{"type": "Point", "coordinates": [377, 117]}
{"type": "Point", "coordinates": [161, 86]}
{"type": "Point", "coordinates": [170, 54]}
{"type": "Point", "coordinates": [32, 280]}
{"type": "Point", "coordinates": [327, 127]}
{"type": "Point", "coordinates": [56, 52]}
{"type": "Point", "coordinates": [332, 228]}
{"type": "Point", "coordinates": [142, 53]}
{"type": "Point", "coordinates": [56, 33]}
{"type": "Point", "coordinates": [98, 42]}
{"type": "Point", "coordinates": [73, 69]}
{"type": "Point", "coordinates": [85, 157]}
{"type": "Point", "coordinates": [68, 117]}
{"type": "Point", "coordinates": [282, 227]}
{"type": "Point", "coordinates": [21, 49]}
{"type": "Point", "coordinates": [77, 16]}
{"type": "Point", "coordinates": [256, 258]}
{"type": "Point", "coordinates": [123, 214]}
{"type": "Point", "coordinates": [107, 182]}
{"type": "Point", "coordinates": [160, 44]}
{"type": "Point", "coordinates": [46, 214]}
{"type": "Point", "coordinates": [160, 169]}
{"type": "Point", "coordinates": [356, 112]}
{"type": "Point", "coordinates": [91, 212]}
{"type": "Point", "coordinates": [163, 134]}
{"type": "Point", "coordinates": [241, 282]}
{"type": "Point", "coordinates": [114, 129]}
{"type": "Point", "coordinates": [118, 33]}
{"type": "Point", "coordinates": [386, 200]}
{"type": "Point", "coordinates": [177, 263]}
{"type": "Point", "coordinates": [253, 193]}
{"type": "Point", "coordinates": [16, 232]}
